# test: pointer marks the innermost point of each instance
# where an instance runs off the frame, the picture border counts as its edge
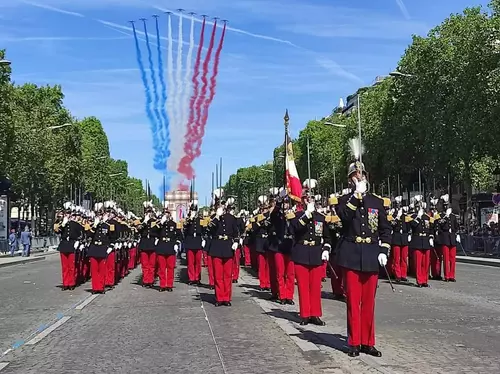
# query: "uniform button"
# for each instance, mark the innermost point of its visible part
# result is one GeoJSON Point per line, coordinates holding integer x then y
{"type": "Point", "coordinates": [363, 233]}
{"type": "Point", "coordinates": [362, 224]}
{"type": "Point", "coordinates": [362, 216]}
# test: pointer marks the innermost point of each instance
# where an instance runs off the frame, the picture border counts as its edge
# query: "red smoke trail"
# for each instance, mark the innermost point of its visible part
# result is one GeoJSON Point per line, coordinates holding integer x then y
{"type": "Point", "coordinates": [213, 86]}
{"type": "Point", "coordinates": [193, 140]}
{"type": "Point", "coordinates": [184, 166]}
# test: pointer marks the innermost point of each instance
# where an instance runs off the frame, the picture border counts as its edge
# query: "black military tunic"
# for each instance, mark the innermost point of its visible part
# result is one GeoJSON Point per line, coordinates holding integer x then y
{"type": "Point", "coordinates": [364, 224]}
{"type": "Point", "coordinates": [168, 236]}
{"type": "Point", "coordinates": [224, 232]}
{"type": "Point", "coordinates": [100, 240]}
{"type": "Point", "coordinates": [422, 230]}
{"type": "Point", "coordinates": [193, 233]}
{"type": "Point", "coordinates": [148, 234]}
{"type": "Point", "coordinates": [70, 233]}
{"type": "Point", "coordinates": [447, 229]}
{"type": "Point", "coordinates": [310, 235]}
{"type": "Point", "coordinates": [400, 230]}
{"type": "Point", "coordinates": [260, 230]}
{"type": "Point", "coordinates": [280, 236]}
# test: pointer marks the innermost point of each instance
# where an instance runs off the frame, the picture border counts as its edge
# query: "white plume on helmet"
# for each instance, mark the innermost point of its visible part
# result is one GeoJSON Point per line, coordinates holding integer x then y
{"type": "Point", "coordinates": [445, 198]}
{"type": "Point", "coordinates": [310, 183]}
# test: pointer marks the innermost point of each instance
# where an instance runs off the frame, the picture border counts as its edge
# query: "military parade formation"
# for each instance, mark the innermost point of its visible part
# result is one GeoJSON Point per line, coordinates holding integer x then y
{"type": "Point", "coordinates": [354, 238]}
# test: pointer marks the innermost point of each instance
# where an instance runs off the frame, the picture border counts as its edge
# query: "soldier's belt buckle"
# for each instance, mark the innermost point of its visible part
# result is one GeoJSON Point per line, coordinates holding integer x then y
{"type": "Point", "coordinates": [97, 243]}
{"type": "Point", "coordinates": [307, 242]}
{"type": "Point", "coordinates": [223, 237]}
{"type": "Point", "coordinates": [422, 234]}
{"type": "Point", "coordinates": [359, 239]}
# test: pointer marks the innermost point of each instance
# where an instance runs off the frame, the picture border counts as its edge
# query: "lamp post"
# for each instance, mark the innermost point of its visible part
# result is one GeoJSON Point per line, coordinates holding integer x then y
{"type": "Point", "coordinates": [4, 62]}
{"type": "Point", "coordinates": [111, 185]}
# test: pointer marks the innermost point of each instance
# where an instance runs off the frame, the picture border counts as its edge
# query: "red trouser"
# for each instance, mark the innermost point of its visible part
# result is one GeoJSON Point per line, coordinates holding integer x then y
{"type": "Point", "coordinates": [110, 271]}
{"type": "Point", "coordinates": [98, 273]}
{"type": "Point", "coordinates": [360, 297]}
{"type": "Point", "coordinates": [246, 255]}
{"type": "Point", "coordinates": [193, 257]}
{"type": "Point", "coordinates": [124, 267]}
{"type": "Point", "coordinates": [309, 287]}
{"type": "Point", "coordinates": [337, 280]}
{"type": "Point", "coordinates": [263, 265]}
{"type": "Point", "coordinates": [210, 267]}
{"type": "Point", "coordinates": [449, 261]}
{"type": "Point", "coordinates": [325, 267]}
{"type": "Point", "coordinates": [148, 264]}
{"type": "Point", "coordinates": [85, 269]}
{"type": "Point", "coordinates": [68, 270]}
{"type": "Point", "coordinates": [399, 261]}
{"type": "Point", "coordinates": [223, 268]}
{"type": "Point", "coordinates": [236, 264]}
{"type": "Point", "coordinates": [435, 261]}
{"type": "Point", "coordinates": [204, 259]}
{"type": "Point", "coordinates": [273, 278]}
{"type": "Point", "coordinates": [421, 260]}
{"type": "Point", "coordinates": [131, 259]}
{"type": "Point", "coordinates": [166, 270]}
{"type": "Point", "coordinates": [285, 274]}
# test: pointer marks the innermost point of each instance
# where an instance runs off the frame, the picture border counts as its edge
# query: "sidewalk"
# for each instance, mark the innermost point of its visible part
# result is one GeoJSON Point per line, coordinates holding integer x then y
{"type": "Point", "coordinates": [37, 255]}
{"type": "Point", "coordinates": [479, 260]}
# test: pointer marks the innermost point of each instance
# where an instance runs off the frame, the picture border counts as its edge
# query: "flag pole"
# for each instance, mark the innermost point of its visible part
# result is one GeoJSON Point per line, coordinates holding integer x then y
{"type": "Point", "coordinates": [286, 119]}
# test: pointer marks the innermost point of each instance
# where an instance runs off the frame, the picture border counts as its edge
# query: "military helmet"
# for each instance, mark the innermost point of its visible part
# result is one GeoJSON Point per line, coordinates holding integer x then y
{"type": "Point", "coordinates": [354, 167]}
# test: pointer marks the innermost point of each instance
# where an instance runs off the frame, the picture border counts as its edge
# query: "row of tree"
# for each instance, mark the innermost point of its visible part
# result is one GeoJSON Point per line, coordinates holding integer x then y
{"type": "Point", "coordinates": [49, 157]}
{"type": "Point", "coordinates": [432, 123]}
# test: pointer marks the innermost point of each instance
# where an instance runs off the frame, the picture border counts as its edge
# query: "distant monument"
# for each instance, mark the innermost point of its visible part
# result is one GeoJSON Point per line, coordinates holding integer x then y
{"type": "Point", "coordinates": [178, 203]}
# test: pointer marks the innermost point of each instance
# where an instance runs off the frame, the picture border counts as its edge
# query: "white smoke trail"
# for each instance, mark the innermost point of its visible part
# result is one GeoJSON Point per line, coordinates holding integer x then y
{"type": "Point", "coordinates": [171, 93]}
{"type": "Point", "coordinates": [187, 88]}
{"type": "Point", "coordinates": [178, 147]}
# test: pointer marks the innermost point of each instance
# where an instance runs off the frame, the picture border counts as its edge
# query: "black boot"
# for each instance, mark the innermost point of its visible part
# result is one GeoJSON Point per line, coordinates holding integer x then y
{"type": "Point", "coordinates": [353, 351]}
{"type": "Point", "coordinates": [304, 321]}
{"type": "Point", "coordinates": [372, 351]}
{"type": "Point", "coordinates": [317, 321]}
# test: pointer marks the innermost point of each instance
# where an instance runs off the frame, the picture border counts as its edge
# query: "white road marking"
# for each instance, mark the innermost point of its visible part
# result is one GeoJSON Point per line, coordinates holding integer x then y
{"type": "Point", "coordinates": [48, 330]}
{"type": "Point", "coordinates": [86, 302]}
{"type": "Point", "coordinates": [3, 365]}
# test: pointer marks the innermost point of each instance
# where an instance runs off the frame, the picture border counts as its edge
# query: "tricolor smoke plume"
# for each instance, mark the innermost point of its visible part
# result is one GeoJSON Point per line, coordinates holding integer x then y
{"type": "Point", "coordinates": [160, 161]}
{"type": "Point", "coordinates": [171, 82]}
{"type": "Point", "coordinates": [163, 88]}
{"type": "Point", "coordinates": [185, 167]}
{"type": "Point", "coordinates": [148, 104]}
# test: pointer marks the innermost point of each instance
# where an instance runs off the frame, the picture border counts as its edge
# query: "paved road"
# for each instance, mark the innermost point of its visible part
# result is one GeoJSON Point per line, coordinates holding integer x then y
{"type": "Point", "coordinates": [449, 328]}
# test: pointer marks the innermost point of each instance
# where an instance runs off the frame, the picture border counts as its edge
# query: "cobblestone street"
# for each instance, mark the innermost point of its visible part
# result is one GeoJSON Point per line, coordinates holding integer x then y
{"type": "Point", "coordinates": [449, 328]}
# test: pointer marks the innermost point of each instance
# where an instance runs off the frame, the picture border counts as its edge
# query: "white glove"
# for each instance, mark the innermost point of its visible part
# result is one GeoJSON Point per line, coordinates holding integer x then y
{"type": "Point", "coordinates": [135, 244]}
{"type": "Point", "coordinates": [146, 218]}
{"type": "Point", "coordinates": [163, 219]}
{"type": "Point", "coordinates": [392, 211]}
{"type": "Point", "coordinates": [117, 246]}
{"type": "Point", "coordinates": [176, 248]}
{"type": "Point", "coordinates": [96, 221]}
{"type": "Point", "coordinates": [310, 207]}
{"type": "Point", "coordinates": [203, 243]}
{"type": "Point", "coordinates": [109, 250]}
{"type": "Point", "coordinates": [420, 213]}
{"type": "Point", "coordinates": [382, 259]}
{"type": "Point", "coordinates": [77, 243]}
{"type": "Point", "coordinates": [448, 212]}
{"type": "Point", "coordinates": [219, 212]}
{"type": "Point", "coordinates": [409, 238]}
{"type": "Point", "coordinates": [325, 256]}
{"type": "Point", "coordinates": [192, 215]}
{"type": "Point", "coordinates": [400, 213]}
{"type": "Point", "coordinates": [241, 241]}
{"type": "Point", "coordinates": [234, 246]}
{"type": "Point", "coordinates": [65, 221]}
{"type": "Point", "coordinates": [156, 241]}
{"type": "Point", "coordinates": [458, 239]}
{"type": "Point", "coordinates": [82, 247]}
{"type": "Point", "coordinates": [361, 187]}
{"type": "Point", "coordinates": [431, 242]}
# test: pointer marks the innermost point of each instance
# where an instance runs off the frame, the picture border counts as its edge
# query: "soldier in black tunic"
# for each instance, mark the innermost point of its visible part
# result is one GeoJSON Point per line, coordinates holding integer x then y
{"type": "Point", "coordinates": [335, 227]}
{"type": "Point", "coordinates": [168, 242]}
{"type": "Point", "coordinates": [193, 240]}
{"type": "Point", "coordinates": [260, 224]}
{"type": "Point", "coordinates": [400, 232]}
{"type": "Point", "coordinates": [447, 233]}
{"type": "Point", "coordinates": [363, 247]}
{"type": "Point", "coordinates": [148, 232]}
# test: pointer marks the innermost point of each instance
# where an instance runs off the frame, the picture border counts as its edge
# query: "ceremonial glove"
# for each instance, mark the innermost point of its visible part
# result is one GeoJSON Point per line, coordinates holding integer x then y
{"type": "Point", "coordinates": [409, 238]}
{"type": "Point", "coordinates": [448, 212]}
{"type": "Point", "coordinates": [77, 243]}
{"type": "Point", "coordinates": [176, 248]}
{"type": "Point", "coordinates": [96, 221]}
{"type": "Point", "coordinates": [241, 241]}
{"type": "Point", "coordinates": [117, 246]}
{"type": "Point", "coordinates": [234, 246]}
{"type": "Point", "coordinates": [361, 187]}
{"type": "Point", "coordinates": [392, 211]}
{"type": "Point", "coordinates": [192, 215]}
{"type": "Point", "coordinates": [130, 245]}
{"type": "Point", "coordinates": [203, 243]}
{"type": "Point", "coordinates": [65, 221]}
{"type": "Point", "coordinates": [146, 218]}
{"type": "Point", "coordinates": [163, 219]}
{"type": "Point", "coordinates": [156, 241]}
{"type": "Point", "coordinates": [400, 213]}
{"type": "Point", "coordinates": [135, 244]}
{"type": "Point", "coordinates": [420, 213]}
{"type": "Point", "coordinates": [109, 250]}
{"type": "Point", "coordinates": [325, 256]}
{"type": "Point", "coordinates": [431, 242]}
{"type": "Point", "coordinates": [219, 212]}
{"type": "Point", "coordinates": [382, 259]}
{"type": "Point", "coordinates": [459, 240]}
{"type": "Point", "coordinates": [82, 247]}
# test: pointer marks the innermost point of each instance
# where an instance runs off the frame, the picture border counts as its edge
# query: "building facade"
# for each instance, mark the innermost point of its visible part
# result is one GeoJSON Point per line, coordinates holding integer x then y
{"type": "Point", "coordinates": [178, 203]}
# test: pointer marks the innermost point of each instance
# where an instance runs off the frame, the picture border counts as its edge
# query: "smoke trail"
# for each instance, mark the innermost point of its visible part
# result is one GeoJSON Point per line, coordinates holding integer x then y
{"type": "Point", "coordinates": [149, 113]}
{"type": "Point", "coordinates": [159, 150]}
{"type": "Point", "coordinates": [166, 134]}
{"type": "Point", "coordinates": [170, 75]}
{"type": "Point", "coordinates": [186, 91]}
{"type": "Point", "coordinates": [185, 164]}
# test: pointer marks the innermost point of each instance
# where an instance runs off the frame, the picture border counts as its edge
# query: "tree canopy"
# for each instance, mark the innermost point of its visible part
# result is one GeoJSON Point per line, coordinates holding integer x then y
{"type": "Point", "coordinates": [51, 157]}
{"type": "Point", "coordinates": [436, 117]}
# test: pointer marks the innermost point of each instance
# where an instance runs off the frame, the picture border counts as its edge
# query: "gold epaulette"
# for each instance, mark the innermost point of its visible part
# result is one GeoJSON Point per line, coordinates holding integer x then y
{"type": "Point", "coordinates": [390, 218]}
{"type": "Point", "coordinates": [431, 220]}
{"type": "Point", "coordinates": [290, 215]}
{"type": "Point", "coordinates": [408, 219]}
{"type": "Point", "coordinates": [333, 200]}
{"type": "Point", "coordinates": [260, 217]}
{"type": "Point", "coordinates": [248, 227]}
{"type": "Point", "coordinates": [332, 218]}
{"type": "Point", "coordinates": [179, 225]}
{"type": "Point", "coordinates": [154, 224]}
{"type": "Point", "coordinates": [252, 220]}
{"type": "Point", "coordinates": [204, 222]}
{"type": "Point", "coordinates": [56, 227]}
{"type": "Point", "coordinates": [387, 202]}
{"type": "Point", "coordinates": [437, 216]}
{"type": "Point", "coordinates": [111, 227]}
{"type": "Point", "coordinates": [137, 222]}
{"type": "Point", "coordinates": [87, 227]}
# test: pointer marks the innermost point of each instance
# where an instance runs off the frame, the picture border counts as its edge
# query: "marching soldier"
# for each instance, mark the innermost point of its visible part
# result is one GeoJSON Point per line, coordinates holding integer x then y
{"type": "Point", "coordinates": [224, 232]}
{"type": "Point", "coordinates": [421, 241]}
{"type": "Point", "coordinates": [111, 260]}
{"type": "Point", "coordinates": [400, 232]}
{"type": "Point", "coordinates": [435, 254]}
{"type": "Point", "coordinates": [193, 243]}
{"type": "Point", "coordinates": [259, 227]}
{"type": "Point", "coordinates": [245, 236]}
{"type": "Point", "coordinates": [310, 249]}
{"type": "Point", "coordinates": [147, 245]}
{"type": "Point", "coordinates": [167, 246]}
{"type": "Point", "coordinates": [207, 238]}
{"type": "Point", "coordinates": [363, 247]}
{"type": "Point", "coordinates": [335, 226]}
{"type": "Point", "coordinates": [71, 232]}
{"type": "Point", "coordinates": [448, 237]}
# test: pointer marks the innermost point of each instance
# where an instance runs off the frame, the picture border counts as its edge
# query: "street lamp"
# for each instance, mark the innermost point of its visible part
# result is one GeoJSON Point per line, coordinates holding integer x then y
{"type": "Point", "coordinates": [4, 62]}
{"type": "Point", "coordinates": [334, 124]}
{"type": "Point", "coordinates": [269, 171]}
{"type": "Point", "coordinates": [59, 126]}
{"type": "Point", "coordinates": [399, 74]}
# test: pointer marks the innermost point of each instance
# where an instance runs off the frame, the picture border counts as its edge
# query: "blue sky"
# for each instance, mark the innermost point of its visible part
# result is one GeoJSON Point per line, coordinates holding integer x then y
{"type": "Point", "coordinates": [324, 50]}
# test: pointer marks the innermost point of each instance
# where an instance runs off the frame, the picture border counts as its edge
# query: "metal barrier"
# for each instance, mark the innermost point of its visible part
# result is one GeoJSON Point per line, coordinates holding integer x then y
{"type": "Point", "coordinates": [487, 246]}
{"type": "Point", "coordinates": [36, 243]}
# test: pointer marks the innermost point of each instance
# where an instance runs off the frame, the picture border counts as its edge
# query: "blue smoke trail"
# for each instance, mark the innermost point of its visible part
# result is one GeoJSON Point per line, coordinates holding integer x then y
{"type": "Point", "coordinates": [163, 91]}
{"type": "Point", "coordinates": [149, 112]}
{"type": "Point", "coordinates": [160, 162]}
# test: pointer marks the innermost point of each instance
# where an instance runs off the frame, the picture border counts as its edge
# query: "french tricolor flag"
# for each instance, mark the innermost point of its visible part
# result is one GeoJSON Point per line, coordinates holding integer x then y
{"type": "Point", "coordinates": [293, 184]}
